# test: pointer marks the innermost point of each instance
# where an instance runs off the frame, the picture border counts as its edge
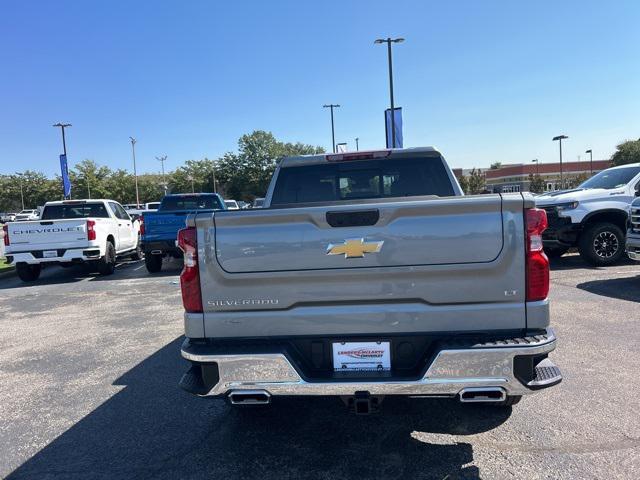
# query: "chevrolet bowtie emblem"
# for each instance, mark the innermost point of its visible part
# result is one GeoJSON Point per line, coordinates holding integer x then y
{"type": "Point", "coordinates": [354, 248]}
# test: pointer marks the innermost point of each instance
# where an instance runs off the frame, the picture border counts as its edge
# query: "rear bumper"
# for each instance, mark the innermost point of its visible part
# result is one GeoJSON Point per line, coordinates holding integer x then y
{"type": "Point", "coordinates": [160, 246]}
{"type": "Point", "coordinates": [64, 255]}
{"type": "Point", "coordinates": [509, 364]}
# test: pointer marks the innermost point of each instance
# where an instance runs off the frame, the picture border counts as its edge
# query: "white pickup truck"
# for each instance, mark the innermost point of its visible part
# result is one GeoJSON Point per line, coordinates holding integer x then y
{"type": "Point", "coordinates": [72, 231]}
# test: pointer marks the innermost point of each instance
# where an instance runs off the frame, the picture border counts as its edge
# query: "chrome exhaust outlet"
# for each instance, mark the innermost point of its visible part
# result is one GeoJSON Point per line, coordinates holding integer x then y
{"type": "Point", "coordinates": [482, 394]}
{"type": "Point", "coordinates": [249, 397]}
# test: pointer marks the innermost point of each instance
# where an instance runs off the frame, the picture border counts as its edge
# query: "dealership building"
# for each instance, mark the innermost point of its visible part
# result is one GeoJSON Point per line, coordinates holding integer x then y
{"type": "Point", "coordinates": [515, 177]}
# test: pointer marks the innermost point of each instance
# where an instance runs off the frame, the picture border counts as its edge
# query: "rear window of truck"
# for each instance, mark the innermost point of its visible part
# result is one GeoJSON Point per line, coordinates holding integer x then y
{"type": "Point", "coordinates": [190, 203]}
{"type": "Point", "coordinates": [354, 180]}
{"type": "Point", "coordinates": [83, 210]}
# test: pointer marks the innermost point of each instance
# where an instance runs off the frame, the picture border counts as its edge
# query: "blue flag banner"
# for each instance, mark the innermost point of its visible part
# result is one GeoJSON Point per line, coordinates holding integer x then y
{"type": "Point", "coordinates": [398, 126]}
{"type": "Point", "coordinates": [66, 183]}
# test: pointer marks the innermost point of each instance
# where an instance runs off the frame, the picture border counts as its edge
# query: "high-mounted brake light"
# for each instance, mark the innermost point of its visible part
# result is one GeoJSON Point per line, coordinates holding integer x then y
{"type": "Point", "coordinates": [537, 264]}
{"type": "Point", "coordinates": [91, 230]}
{"type": "Point", "coordinates": [190, 275]}
{"type": "Point", "coordinates": [5, 229]}
{"type": "Point", "coordinates": [345, 157]}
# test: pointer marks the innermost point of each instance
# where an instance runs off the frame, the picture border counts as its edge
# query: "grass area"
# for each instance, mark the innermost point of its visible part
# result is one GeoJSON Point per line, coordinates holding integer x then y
{"type": "Point", "coordinates": [3, 265]}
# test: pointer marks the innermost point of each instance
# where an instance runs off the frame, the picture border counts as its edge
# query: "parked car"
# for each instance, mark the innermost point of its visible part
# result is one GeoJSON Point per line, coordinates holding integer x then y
{"type": "Point", "coordinates": [72, 231]}
{"type": "Point", "coordinates": [160, 228]}
{"type": "Point", "coordinates": [7, 217]}
{"type": "Point", "coordinates": [26, 215]}
{"type": "Point", "coordinates": [372, 275]}
{"type": "Point", "coordinates": [257, 202]}
{"type": "Point", "coordinates": [232, 205]}
{"type": "Point", "coordinates": [633, 231]}
{"type": "Point", "coordinates": [593, 216]}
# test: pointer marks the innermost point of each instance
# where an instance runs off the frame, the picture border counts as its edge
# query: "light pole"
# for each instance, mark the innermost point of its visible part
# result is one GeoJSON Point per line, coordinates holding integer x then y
{"type": "Point", "coordinates": [537, 162]}
{"type": "Point", "coordinates": [333, 131]}
{"type": "Point", "coordinates": [86, 178]}
{"type": "Point", "coordinates": [357, 144]}
{"type": "Point", "coordinates": [62, 126]}
{"type": "Point", "coordinates": [135, 172]}
{"type": "Point", "coordinates": [559, 138]}
{"type": "Point", "coordinates": [164, 183]}
{"type": "Point", "coordinates": [21, 191]}
{"type": "Point", "coordinates": [213, 174]}
{"type": "Point", "coordinates": [590, 152]}
{"type": "Point", "coordinates": [190, 177]}
{"type": "Point", "coordinates": [389, 41]}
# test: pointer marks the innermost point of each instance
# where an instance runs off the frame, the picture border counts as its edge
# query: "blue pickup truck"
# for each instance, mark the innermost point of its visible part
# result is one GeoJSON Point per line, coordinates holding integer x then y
{"type": "Point", "coordinates": [160, 229]}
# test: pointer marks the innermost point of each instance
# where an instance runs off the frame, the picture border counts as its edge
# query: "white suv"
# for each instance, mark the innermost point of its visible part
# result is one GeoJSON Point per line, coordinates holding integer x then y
{"type": "Point", "coordinates": [593, 216]}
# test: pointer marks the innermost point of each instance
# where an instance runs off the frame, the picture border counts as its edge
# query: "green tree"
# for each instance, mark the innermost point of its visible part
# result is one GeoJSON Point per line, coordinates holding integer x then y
{"type": "Point", "coordinates": [495, 165]}
{"type": "Point", "coordinates": [576, 180]}
{"type": "Point", "coordinates": [246, 174]}
{"type": "Point", "coordinates": [90, 180]}
{"type": "Point", "coordinates": [536, 183]}
{"type": "Point", "coordinates": [627, 152]}
{"type": "Point", "coordinates": [475, 182]}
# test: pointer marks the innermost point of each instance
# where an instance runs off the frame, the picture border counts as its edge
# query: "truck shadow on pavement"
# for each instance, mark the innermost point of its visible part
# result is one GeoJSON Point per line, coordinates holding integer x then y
{"type": "Point", "coordinates": [627, 288]}
{"type": "Point", "coordinates": [152, 429]}
{"type": "Point", "coordinates": [56, 275]}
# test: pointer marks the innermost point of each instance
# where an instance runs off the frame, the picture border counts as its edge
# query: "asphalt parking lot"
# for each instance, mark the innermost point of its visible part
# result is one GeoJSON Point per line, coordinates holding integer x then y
{"type": "Point", "coordinates": [89, 368]}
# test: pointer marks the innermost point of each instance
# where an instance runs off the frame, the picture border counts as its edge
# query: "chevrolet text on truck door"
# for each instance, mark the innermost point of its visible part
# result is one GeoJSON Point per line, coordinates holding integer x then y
{"type": "Point", "coordinates": [72, 231]}
{"type": "Point", "coordinates": [368, 274]}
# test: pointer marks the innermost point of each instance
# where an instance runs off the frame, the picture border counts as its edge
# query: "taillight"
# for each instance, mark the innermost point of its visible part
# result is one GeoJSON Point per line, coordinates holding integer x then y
{"type": "Point", "coordinates": [5, 229]}
{"type": "Point", "coordinates": [190, 275]}
{"type": "Point", "coordinates": [537, 262]}
{"type": "Point", "coordinates": [141, 225]}
{"type": "Point", "coordinates": [344, 157]}
{"type": "Point", "coordinates": [91, 230]}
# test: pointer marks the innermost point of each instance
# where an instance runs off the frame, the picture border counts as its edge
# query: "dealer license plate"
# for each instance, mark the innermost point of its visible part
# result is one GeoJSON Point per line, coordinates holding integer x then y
{"type": "Point", "coordinates": [361, 356]}
{"type": "Point", "coordinates": [50, 253]}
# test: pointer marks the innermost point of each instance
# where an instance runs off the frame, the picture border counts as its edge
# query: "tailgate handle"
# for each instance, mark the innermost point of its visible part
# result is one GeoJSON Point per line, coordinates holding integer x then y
{"type": "Point", "coordinates": [354, 218]}
{"type": "Point", "coordinates": [46, 223]}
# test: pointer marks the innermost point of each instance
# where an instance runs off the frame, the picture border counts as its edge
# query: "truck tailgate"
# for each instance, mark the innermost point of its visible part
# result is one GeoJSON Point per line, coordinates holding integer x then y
{"type": "Point", "coordinates": [433, 264]}
{"type": "Point", "coordinates": [41, 234]}
{"type": "Point", "coordinates": [163, 225]}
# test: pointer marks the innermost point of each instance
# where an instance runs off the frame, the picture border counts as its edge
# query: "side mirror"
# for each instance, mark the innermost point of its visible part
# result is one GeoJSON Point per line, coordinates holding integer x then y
{"type": "Point", "coordinates": [638, 192]}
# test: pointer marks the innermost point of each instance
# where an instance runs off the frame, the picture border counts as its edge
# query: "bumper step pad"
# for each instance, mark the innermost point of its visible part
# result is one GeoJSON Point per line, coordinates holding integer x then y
{"type": "Point", "coordinates": [547, 374]}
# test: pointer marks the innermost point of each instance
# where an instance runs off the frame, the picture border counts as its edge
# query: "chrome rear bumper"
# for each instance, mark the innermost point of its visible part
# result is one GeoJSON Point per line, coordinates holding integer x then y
{"type": "Point", "coordinates": [452, 370]}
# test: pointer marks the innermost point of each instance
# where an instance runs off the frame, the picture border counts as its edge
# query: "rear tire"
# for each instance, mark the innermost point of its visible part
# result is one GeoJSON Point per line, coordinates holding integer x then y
{"type": "Point", "coordinates": [601, 244]}
{"type": "Point", "coordinates": [28, 273]}
{"type": "Point", "coordinates": [153, 263]}
{"type": "Point", "coordinates": [137, 253]}
{"type": "Point", "coordinates": [107, 264]}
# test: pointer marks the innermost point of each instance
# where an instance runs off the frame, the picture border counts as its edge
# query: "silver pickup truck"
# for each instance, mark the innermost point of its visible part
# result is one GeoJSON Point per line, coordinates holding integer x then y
{"type": "Point", "coordinates": [368, 274]}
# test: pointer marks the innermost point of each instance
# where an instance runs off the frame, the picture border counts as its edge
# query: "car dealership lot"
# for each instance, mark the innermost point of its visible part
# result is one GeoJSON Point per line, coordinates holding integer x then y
{"type": "Point", "coordinates": [89, 368]}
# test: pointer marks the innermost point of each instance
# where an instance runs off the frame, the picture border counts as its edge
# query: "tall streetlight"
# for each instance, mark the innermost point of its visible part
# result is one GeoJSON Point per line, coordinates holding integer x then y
{"type": "Point", "coordinates": [357, 144]}
{"type": "Point", "coordinates": [559, 138]}
{"type": "Point", "coordinates": [20, 175]}
{"type": "Point", "coordinates": [164, 183]}
{"type": "Point", "coordinates": [193, 189]}
{"type": "Point", "coordinates": [537, 162]}
{"type": "Point", "coordinates": [62, 126]}
{"type": "Point", "coordinates": [590, 152]}
{"type": "Point", "coordinates": [135, 172]}
{"type": "Point", "coordinates": [86, 178]}
{"type": "Point", "coordinates": [389, 41]}
{"type": "Point", "coordinates": [333, 131]}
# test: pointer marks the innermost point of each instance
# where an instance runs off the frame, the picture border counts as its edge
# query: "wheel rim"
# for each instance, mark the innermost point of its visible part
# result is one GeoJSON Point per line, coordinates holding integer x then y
{"type": "Point", "coordinates": [606, 244]}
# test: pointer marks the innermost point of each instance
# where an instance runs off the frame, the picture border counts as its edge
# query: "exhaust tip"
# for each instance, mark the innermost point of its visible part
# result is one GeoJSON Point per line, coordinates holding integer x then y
{"type": "Point", "coordinates": [249, 397]}
{"type": "Point", "coordinates": [483, 394]}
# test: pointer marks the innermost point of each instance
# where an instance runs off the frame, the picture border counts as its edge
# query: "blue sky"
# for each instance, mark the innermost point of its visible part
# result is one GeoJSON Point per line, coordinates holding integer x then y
{"type": "Point", "coordinates": [484, 81]}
